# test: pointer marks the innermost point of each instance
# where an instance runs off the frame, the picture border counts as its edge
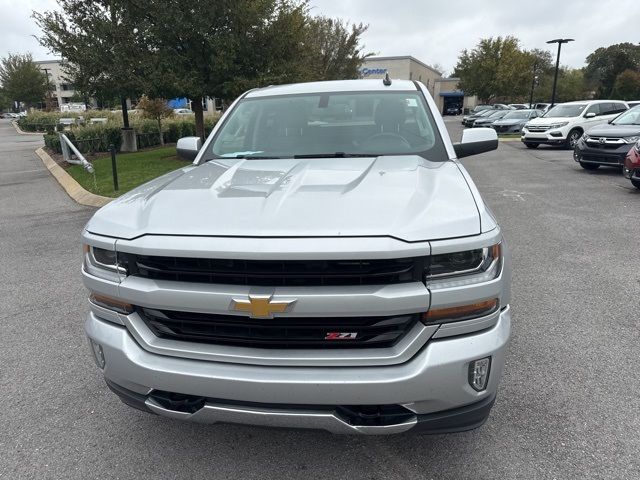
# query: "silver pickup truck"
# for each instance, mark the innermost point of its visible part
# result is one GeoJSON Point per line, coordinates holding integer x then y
{"type": "Point", "coordinates": [325, 262]}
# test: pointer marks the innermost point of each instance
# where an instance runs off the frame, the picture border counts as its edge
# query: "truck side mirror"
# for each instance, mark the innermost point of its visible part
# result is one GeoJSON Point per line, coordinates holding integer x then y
{"type": "Point", "coordinates": [476, 141]}
{"type": "Point", "coordinates": [589, 115]}
{"type": "Point", "coordinates": [188, 147]}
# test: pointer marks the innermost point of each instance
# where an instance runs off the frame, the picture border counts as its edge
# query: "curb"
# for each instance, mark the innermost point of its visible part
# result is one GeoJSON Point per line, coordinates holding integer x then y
{"type": "Point", "coordinates": [21, 132]}
{"type": "Point", "coordinates": [68, 183]}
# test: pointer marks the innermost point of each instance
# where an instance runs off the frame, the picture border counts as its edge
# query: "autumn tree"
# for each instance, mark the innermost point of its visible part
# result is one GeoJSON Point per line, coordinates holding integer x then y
{"type": "Point", "coordinates": [155, 109]}
{"type": "Point", "coordinates": [22, 80]}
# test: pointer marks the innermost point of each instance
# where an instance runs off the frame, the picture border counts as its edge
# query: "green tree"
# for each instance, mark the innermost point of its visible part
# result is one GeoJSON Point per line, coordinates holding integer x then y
{"type": "Point", "coordinates": [104, 44]}
{"type": "Point", "coordinates": [496, 67]}
{"type": "Point", "coordinates": [222, 48]}
{"type": "Point", "coordinates": [22, 80]}
{"type": "Point", "coordinates": [156, 109]}
{"type": "Point", "coordinates": [606, 63]}
{"type": "Point", "coordinates": [334, 49]}
{"type": "Point", "coordinates": [627, 86]}
{"type": "Point", "coordinates": [5, 101]}
{"type": "Point", "coordinates": [571, 86]}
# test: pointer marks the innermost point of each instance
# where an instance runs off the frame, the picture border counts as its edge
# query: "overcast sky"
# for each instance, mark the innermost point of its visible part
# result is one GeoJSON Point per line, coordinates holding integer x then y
{"type": "Point", "coordinates": [434, 32]}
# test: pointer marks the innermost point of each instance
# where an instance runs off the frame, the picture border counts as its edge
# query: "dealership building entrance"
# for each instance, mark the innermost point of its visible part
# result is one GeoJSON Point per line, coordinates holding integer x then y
{"type": "Point", "coordinates": [444, 91]}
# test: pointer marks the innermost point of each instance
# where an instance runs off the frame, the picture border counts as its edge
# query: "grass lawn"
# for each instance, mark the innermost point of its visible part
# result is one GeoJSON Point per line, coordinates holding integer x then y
{"type": "Point", "coordinates": [133, 169]}
{"type": "Point", "coordinates": [510, 135]}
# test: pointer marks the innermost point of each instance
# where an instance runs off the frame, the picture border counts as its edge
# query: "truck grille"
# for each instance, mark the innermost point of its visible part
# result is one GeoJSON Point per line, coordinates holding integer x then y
{"type": "Point", "coordinates": [279, 332]}
{"type": "Point", "coordinates": [276, 273]}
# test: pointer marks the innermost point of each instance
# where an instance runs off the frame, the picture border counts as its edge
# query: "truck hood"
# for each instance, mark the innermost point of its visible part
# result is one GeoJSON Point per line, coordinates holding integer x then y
{"type": "Point", "coordinates": [614, 131]}
{"type": "Point", "coordinates": [406, 197]}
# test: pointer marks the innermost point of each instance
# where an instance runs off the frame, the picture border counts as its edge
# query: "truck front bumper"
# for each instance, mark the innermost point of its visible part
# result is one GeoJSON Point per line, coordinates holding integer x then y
{"type": "Point", "coordinates": [430, 392]}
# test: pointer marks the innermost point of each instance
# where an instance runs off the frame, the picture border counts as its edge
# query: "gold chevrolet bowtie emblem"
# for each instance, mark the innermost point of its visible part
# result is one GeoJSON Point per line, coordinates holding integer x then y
{"type": "Point", "coordinates": [261, 306]}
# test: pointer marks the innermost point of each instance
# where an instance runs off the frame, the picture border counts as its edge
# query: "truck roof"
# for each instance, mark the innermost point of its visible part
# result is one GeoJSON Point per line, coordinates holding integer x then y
{"type": "Point", "coordinates": [332, 86]}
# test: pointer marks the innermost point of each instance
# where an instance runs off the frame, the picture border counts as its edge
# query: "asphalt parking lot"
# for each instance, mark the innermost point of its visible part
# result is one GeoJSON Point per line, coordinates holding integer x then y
{"type": "Point", "coordinates": [569, 401]}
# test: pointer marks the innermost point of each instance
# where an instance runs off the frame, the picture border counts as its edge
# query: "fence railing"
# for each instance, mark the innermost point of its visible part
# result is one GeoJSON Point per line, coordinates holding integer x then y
{"type": "Point", "coordinates": [69, 150]}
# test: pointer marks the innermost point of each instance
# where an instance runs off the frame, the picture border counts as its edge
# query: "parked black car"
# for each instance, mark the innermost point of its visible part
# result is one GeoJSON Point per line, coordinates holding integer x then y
{"type": "Point", "coordinates": [609, 144]}
{"type": "Point", "coordinates": [453, 110]}
{"type": "Point", "coordinates": [468, 120]}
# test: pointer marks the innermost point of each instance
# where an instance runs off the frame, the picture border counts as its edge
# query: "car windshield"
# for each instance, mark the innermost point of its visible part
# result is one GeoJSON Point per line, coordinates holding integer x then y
{"type": "Point", "coordinates": [630, 117]}
{"type": "Point", "coordinates": [518, 114]}
{"type": "Point", "coordinates": [566, 111]}
{"type": "Point", "coordinates": [498, 114]}
{"type": "Point", "coordinates": [329, 124]}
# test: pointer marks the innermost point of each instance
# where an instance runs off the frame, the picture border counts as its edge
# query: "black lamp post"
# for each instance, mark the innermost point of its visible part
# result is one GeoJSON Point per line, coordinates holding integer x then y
{"type": "Point", "coordinates": [559, 41]}
{"type": "Point", "coordinates": [48, 98]}
{"type": "Point", "coordinates": [534, 83]}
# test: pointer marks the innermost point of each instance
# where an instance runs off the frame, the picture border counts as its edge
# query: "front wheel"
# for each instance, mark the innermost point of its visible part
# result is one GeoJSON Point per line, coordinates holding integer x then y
{"type": "Point", "coordinates": [589, 166]}
{"type": "Point", "coordinates": [636, 183]}
{"type": "Point", "coordinates": [572, 139]}
{"type": "Point", "coordinates": [531, 145]}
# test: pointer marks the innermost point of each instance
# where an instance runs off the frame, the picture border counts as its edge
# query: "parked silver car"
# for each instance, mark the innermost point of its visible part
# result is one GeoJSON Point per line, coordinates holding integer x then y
{"type": "Point", "coordinates": [513, 121]}
{"type": "Point", "coordinates": [310, 269]}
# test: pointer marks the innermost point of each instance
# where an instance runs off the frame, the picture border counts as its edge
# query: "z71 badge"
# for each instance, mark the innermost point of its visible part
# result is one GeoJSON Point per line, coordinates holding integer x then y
{"type": "Point", "coordinates": [341, 336]}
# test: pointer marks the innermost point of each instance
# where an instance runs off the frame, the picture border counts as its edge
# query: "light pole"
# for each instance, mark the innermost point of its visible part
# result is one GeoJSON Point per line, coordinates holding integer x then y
{"type": "Point", "coordinates": [559, 41]}
{"type": "Point", "coordinates": [534, 83]}
{"type": "Point", "coordinates": [46, 72]}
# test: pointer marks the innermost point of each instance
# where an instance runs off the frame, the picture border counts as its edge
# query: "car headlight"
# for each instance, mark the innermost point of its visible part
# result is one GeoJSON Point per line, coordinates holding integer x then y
{"type": "Point", "coordinates": [637, 147]}
{"type": "Point", "coordinates": [559, 125]}
{"type": "Point", "coordinates": [464, 268]}
{"type": "Point", "coordinates": [103, 263]}
{"type": "Point", "coordinates": [633, 139]}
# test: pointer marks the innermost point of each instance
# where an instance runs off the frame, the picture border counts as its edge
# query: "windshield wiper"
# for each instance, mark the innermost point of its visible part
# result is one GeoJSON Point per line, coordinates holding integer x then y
{"type": "Point", "coordinates": [337, 155]}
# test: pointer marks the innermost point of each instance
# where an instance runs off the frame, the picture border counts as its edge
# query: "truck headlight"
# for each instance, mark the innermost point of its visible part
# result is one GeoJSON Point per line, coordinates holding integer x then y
{"type": "Point", "coordinates": [558, 125]}
{"type": "Point", "coordinates": [103, 263]}
{"type": "Point", "coordinates": [633, 139]}
{"type": "Point", "coordinates": [464, 268]}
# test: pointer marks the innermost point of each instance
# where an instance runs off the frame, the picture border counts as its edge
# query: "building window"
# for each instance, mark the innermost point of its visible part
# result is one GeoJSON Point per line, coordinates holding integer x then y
{"type": "Point", "coordinates": [66, 87]}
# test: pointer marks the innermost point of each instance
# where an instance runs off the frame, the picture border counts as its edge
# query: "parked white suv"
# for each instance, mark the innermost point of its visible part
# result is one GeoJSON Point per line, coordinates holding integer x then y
{"type": "Point", "coordinates": [565, 123]}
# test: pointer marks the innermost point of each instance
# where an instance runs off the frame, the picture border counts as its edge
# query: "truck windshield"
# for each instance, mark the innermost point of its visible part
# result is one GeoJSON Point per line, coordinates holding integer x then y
{"type": "Point", "coordinates": [329, 124]}
{"type": "Point", "coordinates": [566, 111]}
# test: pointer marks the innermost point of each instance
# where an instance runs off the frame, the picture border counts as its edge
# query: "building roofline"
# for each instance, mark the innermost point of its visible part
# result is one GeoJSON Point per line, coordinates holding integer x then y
{"type": "Point", "coordinates": [405, 57]}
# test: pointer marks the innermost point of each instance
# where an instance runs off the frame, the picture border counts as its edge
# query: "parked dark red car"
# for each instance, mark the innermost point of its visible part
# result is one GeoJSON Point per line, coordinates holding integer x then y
{"type": "Point", "coordinates": [631, 167]}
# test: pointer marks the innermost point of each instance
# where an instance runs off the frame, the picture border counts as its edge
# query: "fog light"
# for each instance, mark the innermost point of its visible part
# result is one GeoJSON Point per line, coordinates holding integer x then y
{"type": "Point", "coordinates": [98, 354]}
{"type": "Point", "coordinates": [479, 373]}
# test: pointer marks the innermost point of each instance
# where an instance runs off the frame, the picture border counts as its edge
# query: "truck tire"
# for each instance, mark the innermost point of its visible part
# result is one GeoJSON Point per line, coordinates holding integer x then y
{"type": "Point", "coordinates": [589, 166]}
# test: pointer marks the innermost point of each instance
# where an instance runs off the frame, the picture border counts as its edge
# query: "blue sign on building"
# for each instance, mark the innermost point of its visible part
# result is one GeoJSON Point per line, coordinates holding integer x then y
{"type": "Point", "coordinates": [373, 71]}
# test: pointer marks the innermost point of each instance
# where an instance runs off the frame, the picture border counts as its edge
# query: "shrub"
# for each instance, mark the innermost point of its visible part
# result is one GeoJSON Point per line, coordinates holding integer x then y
{"type": "Point", "coordinates": [52, 141]}
{"type": "Point", "coordinates": [97, 138]}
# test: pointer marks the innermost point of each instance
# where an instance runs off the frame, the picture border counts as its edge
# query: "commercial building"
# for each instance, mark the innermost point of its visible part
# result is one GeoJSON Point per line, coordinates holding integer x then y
{"type": "Point", "coordinates": [445, 91]}
{"type": "Point", "coordinates": [61, 90]}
